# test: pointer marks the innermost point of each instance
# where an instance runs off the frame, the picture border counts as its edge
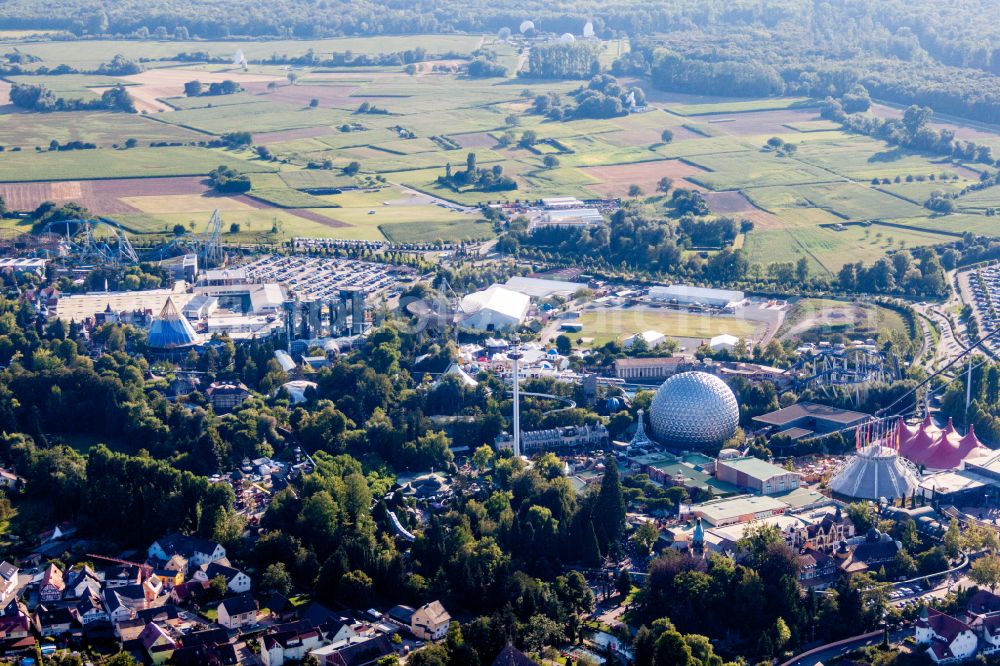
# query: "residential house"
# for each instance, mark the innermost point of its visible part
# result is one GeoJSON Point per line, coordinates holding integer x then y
{"type": "Point", "coordinates": [227, 396]}
{"type": "Point", "coordinates": [238, 612]}
{"type": "Point", "coordinates": [157, 643]}
{"type": "Point", "coordinates": [169, 578]}
{"type": "Point", "coordinates": [128, 633]}
{"type": "Point", "coordinates": [205, 655]}
{"type": "Point", "coordinates": [195, 550]}
{"type": "Point", "coordinates": [401, 614]}
{"type": "Point", "coordinates": [14, 622]}
{"type": "Point", "coordinates": [210, 647]}
{"type": "Point", "coordinates": [187, 592]}
{"type": "Point", "coordinates": [52, 585]}
{"type": "Point", "coordinates": [53, 622]}
{"type": "Point", "coordinates": [281, 608]}
{"type": "Point", "coordinates": [116, 606]}
{"type": "Point", "coordinates": [982, 613]}
{"type": "Point", "coordinates": [358, 651]}
{"type": "Point", "coordinates": [90, 609]}
{"type": "Point", "coordinates": [9, 480]}
{"type": "Point", "coordinates": [134, 596]}
{"type": "Point", "coordinates": [81, 582]}
{"type": "Point", "coordinates": [177, 563]}
{"type": "Point", "coordinates": [337, 630]}
{"type": "Point", "coordinates": [511, 656]}
{"type": "Point", "coordinates": [8, 581]}
{"type": "Point", "coordinates": [122, 575]}
{"type": "Point", "coordinates": [237, 581]}
{"type": "Point", "coordinates": [817, 570]}
{"type": "Point", "coordinates": [152, 587]}
{"type": "Point", "coordinates": [290, 642]}
{"type": "Point", "coordinates": [948, 639]}
{"type": "Point", "coordinates": [430, 621]}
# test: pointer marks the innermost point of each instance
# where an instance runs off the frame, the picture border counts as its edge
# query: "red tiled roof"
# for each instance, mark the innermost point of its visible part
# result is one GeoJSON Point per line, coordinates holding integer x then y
{"type": "Point", "coordinates": [945, 626]}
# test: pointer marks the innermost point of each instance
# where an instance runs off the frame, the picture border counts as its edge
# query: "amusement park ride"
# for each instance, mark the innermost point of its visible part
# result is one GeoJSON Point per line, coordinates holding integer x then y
{"type": "Point", "coordinates": [102, 241]}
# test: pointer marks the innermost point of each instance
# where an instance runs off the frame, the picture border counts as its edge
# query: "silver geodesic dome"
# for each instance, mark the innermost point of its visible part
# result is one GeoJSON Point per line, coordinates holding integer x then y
{"type": "Point", "coordinates": [694, 409]}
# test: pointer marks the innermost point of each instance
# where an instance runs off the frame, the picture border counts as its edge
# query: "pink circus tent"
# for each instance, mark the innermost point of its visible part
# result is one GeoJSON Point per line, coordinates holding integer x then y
{"type": "Point", "coordinates": [928, 445]}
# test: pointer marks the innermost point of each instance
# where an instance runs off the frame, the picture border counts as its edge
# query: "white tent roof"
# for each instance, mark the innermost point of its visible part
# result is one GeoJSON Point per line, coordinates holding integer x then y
{"type": "Point", "coordinates": [724, 339]}
{"type": "Point", "coordinates": [498, 299]}
{"type": "Point", "coordinates": [540, 287]}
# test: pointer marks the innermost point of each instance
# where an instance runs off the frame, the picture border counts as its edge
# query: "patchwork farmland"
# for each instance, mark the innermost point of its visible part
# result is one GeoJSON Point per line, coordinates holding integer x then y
{"type": "Point", "coordinates": [342, 150]}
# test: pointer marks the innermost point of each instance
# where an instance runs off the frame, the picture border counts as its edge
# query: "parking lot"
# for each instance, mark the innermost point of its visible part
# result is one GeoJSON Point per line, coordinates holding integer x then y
{"type": "Point", "coordinates": [319, 278]}
{"type": "Point", "coordinates": [984, 287]}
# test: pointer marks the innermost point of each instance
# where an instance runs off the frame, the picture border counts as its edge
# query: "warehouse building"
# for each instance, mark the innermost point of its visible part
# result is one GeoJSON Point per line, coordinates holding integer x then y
{"type": "Point", "coordinates": [648, 368]}
{"type": "Point", "coordinates": [79, 307]}
{"type": "Point", "coordinates": [756, 475]}
{"type": "Point", "coordinates": [808, 418]}
{"type": "Point", "coordinates": [686, 294]}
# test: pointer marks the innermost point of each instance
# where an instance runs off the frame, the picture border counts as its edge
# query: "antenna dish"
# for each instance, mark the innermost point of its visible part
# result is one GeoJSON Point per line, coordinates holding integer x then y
{"type": "Point", "coordinates": [588, 29]}
{"type": "Point", "coordinates": [567, 38]}
{"type": "Point", "coordinates": [504, 34]}
{"type": "Point", "coordinates": [526, 26]}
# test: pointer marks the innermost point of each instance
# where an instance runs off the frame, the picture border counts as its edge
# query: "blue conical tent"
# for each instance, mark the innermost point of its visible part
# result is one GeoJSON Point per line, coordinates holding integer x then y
{"type": "Point", "coordinates": [171, 329]}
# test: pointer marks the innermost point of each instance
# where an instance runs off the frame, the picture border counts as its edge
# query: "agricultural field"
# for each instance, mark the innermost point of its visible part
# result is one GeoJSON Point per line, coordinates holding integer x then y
{"type": "Point", "coordinates": [741, 106]}
{"type": "Point", "coordinates": [131, 163]}
{"type": "Point", "coordinates": [103, 128]}
{"type": "Point", "coordinates": [608, 324]}
{"type": "Point", "coordinates": [312, 117]}
{"type": "Point", "coordinates": [89, 54]}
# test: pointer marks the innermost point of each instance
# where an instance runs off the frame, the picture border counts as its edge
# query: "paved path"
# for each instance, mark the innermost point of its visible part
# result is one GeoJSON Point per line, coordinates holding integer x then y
{"type": "Point", "coordinates": [825, 653]}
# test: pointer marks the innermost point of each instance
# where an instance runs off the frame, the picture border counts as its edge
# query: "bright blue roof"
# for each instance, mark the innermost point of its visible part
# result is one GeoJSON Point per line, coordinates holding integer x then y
{"type": "Point", "coordinates": [171, 329]}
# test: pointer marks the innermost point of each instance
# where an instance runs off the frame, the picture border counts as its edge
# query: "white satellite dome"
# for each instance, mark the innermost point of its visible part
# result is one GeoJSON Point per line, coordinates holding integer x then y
{"type": "Point", "coordinates": [694, 409]}
{"type": "Point", "coordinates": [297, 389]}
{"type": "Point", "coordinates": [526, 26]}
{"type": "Point", "coordinates": [588, 29]}
{"type": "Point", "coordinates": [567, 38]}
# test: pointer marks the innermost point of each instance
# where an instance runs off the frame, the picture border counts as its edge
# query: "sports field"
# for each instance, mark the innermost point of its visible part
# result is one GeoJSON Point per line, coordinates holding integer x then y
{"type": "Point", "coordinates": [312, 122]}
{"type": "Point", "coordinates": [608, 324]}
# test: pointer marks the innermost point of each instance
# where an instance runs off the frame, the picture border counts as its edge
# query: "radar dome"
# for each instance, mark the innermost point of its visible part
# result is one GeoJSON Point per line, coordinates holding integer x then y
{"type": "Point", "coordinates": [588, 29]}
{"type": "Point", "coordinates": [694, 409]}
{"type": "Point", "coordinates": [504, 33]}
{"type": "Point", "coordinates": [567, 38]}
{"type": "Point", "coordinates": [526, 26]}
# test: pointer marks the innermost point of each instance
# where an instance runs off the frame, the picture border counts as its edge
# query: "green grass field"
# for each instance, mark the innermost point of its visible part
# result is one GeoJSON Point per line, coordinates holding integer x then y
{"type": "Point", "coordinates": [848, 201]}
{"type": "Point", "coordinates": [288, 198]}
{"type": "Point", "coordinates": [253, 116]}
{"type": "Point", "coordinates": [70, 86]}
{"type": "Point", "coordinates": [810, 318]}
{"type": "Point", "coordinates": [132, 163]}
{"type": "Point", "coordinates": [605, 325]}
{"type": "Point", "coordinates": [730, 171]}
{"type": "Point", "coordinates": [742, 106]}
{"type": "Point", "coordinates": [103, 128]}
{"type": "Point", "coordinates": [827, 249]}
